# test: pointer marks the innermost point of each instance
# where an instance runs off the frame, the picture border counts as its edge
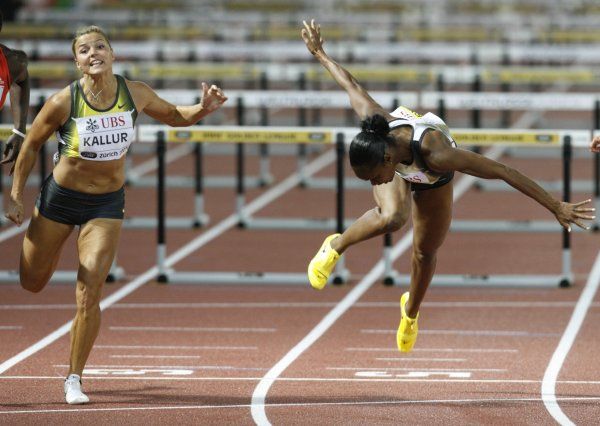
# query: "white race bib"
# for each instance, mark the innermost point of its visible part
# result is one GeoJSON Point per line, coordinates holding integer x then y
{"type": "Point", "coordinates": [105, 137]}
{"type": "Point", "coordinates": [414, 177]}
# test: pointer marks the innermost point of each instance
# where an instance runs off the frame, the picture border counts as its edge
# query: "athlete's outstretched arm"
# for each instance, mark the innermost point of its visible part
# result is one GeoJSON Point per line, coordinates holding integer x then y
{"type": "Point", "coordinates": [148, 101]}
{"type": "Point", "coordinates": [595, 144]}
{"type": "Point", "coordinates": [362, 103]}
{"type": "Point", "coordinates": [52, 115]}
{"type": "Point", "coordinates": [441, 157]}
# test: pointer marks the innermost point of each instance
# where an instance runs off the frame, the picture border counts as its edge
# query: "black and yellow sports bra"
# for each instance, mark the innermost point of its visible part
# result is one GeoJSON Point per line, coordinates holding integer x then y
{"type": "Point", "coordinates": [417, 171]}
{"type": "Point", "coordinates": [98, 135]}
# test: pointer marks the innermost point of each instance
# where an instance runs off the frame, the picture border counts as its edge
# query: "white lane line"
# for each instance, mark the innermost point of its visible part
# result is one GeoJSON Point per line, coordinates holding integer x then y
{"type": "Point", "coordinates": [303, 305]}
{"type": "Point", "coordinates": [225, 305]}
{"type": "Point", "coordinates": [509, 333]}
{"type": "Point", "coordinates": [195, 329]}
{"type": "Point", "coordinates": [467, 402]}
{"type": "Point", "coordinates": [536, 382]}
{"type": "Point", "coordinates": [564, 346]}
{"type": "Point", "coordinates": [209, 235]}
{"type": "Point", "coordinates": [36, 307]}
{"type": "Point", "coordinates": [435, 350]}
{"type": "Point", "coordinates": [11, 327]}
{"type": "Point", "coordinates": [410, 359]}
{"type": "Point", "coordinates": [260, 392]}
{"type": "Point", "coordinates": [157, 356]}
{"type": "Point", "coordinates": [178, 348]}
{"type": "Point", "coordinates": [175, 367]}
{"type": "Point", "coordinates": [489, 370]}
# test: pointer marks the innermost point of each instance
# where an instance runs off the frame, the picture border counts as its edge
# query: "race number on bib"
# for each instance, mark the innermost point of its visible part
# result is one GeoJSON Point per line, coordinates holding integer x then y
{"type": "Point", "coordinates": [415, 177]}
{"type": "Point", "coordinates": [105, 137]}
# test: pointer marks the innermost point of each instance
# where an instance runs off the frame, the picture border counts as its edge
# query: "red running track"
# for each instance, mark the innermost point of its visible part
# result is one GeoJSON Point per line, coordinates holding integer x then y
{"type": "Point", "coordinates": [196, 354]}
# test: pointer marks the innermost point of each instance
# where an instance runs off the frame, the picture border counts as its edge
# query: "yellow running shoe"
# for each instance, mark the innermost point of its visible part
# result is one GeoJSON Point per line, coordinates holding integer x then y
{"type": "Point", "coordinates": [322, 264]}
{"type": "Point", "coordinates": [408, 328]}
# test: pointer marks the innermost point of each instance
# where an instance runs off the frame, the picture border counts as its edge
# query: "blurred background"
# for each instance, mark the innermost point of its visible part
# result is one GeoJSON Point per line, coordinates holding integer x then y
{"type": "Point", "coordinates": [424, 47]}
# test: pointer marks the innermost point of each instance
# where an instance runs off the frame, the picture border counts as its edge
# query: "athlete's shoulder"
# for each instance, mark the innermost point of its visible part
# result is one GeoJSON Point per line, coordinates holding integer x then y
{"type": "Point", "coordinates": [15, 55]}
{"type": "Point", "coordinates": [62, 98]}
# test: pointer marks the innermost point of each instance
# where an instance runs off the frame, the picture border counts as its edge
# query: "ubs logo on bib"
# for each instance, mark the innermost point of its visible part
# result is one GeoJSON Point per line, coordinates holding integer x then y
{"type": "Point", "coordinates": [91, 125]}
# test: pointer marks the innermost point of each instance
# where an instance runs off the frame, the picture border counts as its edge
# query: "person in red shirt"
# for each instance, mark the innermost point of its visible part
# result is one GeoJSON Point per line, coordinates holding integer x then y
{"type": "Point", "coordinates": [14, 79]}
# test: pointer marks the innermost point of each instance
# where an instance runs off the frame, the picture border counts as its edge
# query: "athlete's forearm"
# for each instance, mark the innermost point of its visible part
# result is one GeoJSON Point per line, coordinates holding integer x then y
{"type": "Point", "coordinates": [361, 101]}
{"type": "Point", "coordinates": [25, 162]}
{"type": "Point", "coordinates": [530, 188]}
{"type": "Point", "coordinates": [341, 76]}
{"type": "Point", "coordinates": [19, 102]}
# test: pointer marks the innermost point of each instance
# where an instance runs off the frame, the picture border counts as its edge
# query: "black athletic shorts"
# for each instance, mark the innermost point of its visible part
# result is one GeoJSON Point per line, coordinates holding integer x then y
{"type": "Point", "coordinates": [76, 208]}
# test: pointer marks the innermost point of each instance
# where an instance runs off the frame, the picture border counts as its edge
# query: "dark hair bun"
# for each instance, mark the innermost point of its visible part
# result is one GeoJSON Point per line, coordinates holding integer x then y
{"type": "Point", "coordinates": [375, 124]}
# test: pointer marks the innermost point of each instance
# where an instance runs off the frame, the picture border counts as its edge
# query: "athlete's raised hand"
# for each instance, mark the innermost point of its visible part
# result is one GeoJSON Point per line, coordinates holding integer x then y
{"type": "Point", "coordinates": [212, 97]}
{"type": "Point", "coordinates": [311, 34]}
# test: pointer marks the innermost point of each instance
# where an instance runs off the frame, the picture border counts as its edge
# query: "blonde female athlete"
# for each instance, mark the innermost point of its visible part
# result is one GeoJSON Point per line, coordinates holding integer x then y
{"type": "Point", "coordinates": [410, 161]}
{"type": "Point", "coordinates": [14, 79]}
{"type": "Point", "coordinates": [94, 120]}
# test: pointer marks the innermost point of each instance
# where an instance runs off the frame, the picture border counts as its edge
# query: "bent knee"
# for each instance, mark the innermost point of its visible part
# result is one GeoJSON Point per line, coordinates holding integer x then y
{"type": "Point", "coordinates": [33, 282]}
{"type": "Point", "coordinates": [393, 221]}
{"type": "Point", "coordinates": [33, 285]}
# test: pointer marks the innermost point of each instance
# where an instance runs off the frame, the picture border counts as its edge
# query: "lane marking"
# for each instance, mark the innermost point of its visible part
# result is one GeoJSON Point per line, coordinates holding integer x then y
{"type": "Point", "coordinates": [11, 327]}
{"type": "Point", "coordinates": [564, 346]}
{"type": "Point", "coordinates": [471, 401]}
{"type": "Point", "coordinates": [210, 234]}
{"type": "Point", "coordinates": [195, 329]}
{"type": "Point", "coordinates": [410, 359]}
{"type": "Point", "coordinates": [490, 370]}
{"type": "Point", "coordinates": [157, 356]}
{"type": "Point", "coordinates": [179, 367]}
{"type": "Point", "coordinates": [260, 392]}
{"type": "Point", "coordinates": [303, 305]}
{"type": "Point", "coordinates": [175, 347]}
{"type": "Point", "coordinates": [435, 350]}
{"type": "Point", "coordinates": [510, 333]}
{"type": "Point", "coordinates": [316, 379]}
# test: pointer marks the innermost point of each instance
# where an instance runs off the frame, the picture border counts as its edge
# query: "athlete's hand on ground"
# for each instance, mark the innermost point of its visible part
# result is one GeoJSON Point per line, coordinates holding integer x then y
{"type": "Point", "coordinates": [595, 144]}
{"type": "Point", "coordinates": [11, 151]}
{"type": "Point", "coordinates": [311, 34]}
{"type": "Point", "coordinates": [212, 97]}
{"type": "Point", "coordinates": [14, 211]}
{"type": "Point", "coordinates": [574, 213]}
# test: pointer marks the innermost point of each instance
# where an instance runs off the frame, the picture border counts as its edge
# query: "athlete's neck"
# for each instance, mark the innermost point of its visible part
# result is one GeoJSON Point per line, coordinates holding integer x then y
{"type": "Point", "coordinates": [100, 88]}
{"type": "Point", "coordinates": [401, 152]}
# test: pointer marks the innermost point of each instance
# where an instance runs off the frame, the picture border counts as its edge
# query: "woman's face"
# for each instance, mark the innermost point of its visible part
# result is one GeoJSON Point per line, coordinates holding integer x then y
{"type": "Point", "coordinates": [383, 172]}
{"type": "Point", "coordinates": [93, 54]}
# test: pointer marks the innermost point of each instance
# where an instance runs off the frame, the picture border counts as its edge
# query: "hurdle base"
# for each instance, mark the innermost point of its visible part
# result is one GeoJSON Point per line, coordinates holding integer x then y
{"type": "Point", "coordinates": [190, 182]}
{"type": "Point", "coordinates": [328, 224]}
{"type": "Point", "coordinates": [550, 186]}
{"type": "Point", "coordinates": [115, 274]}
{"type": "Point", "coordinates": [273, 278]}
{"type": "Point", "coordinates": [494, 280]}
{"type": "Point", "coordinates": [170, 222]}
{"type": "Point", "coordinates": [509, 226]}
{"type": "Point", "coordinates": [331, 183]}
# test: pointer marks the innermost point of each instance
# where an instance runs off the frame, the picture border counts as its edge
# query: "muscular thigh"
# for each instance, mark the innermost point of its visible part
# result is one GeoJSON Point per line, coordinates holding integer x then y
{"type": "Point", "coordinates": [43, 242]}
{"type": "Point", "coordinates": [97, 243]}
{"type": "Point", "coordinates": [432, 215]}
{"type": "Point", "coordinates": [393, 197]}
